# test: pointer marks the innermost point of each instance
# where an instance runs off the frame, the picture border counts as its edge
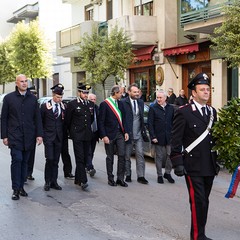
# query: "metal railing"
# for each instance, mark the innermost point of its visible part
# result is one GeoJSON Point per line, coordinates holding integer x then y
{"type": "Point", "coordinates": [203, 14]}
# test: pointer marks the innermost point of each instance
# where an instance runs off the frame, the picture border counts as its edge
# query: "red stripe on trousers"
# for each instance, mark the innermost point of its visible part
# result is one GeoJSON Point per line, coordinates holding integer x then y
{"type": "Point", "coordinates": [193, 208]}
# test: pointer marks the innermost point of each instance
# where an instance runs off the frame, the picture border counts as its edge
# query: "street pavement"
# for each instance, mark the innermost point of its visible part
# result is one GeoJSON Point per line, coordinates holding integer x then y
{"type": "Point", "coordinates": [147, 212]}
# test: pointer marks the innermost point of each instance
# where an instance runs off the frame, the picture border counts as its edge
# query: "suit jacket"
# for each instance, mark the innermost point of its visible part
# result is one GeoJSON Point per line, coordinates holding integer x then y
{"type": "Point", "coordinates": [79, 118]}
{"type": "Point", "coordinates": [52, 127]}
{"type": "Point", "coordinates": [160, 123]}
{"type": "Point", "coordinates": [188, 125]}
{"type": "Point", "coordinates": [108, 124]}
{"type": "Point", "coordinates": [127, 106]}
{"type": "Point", "coordinates": [21, 120]}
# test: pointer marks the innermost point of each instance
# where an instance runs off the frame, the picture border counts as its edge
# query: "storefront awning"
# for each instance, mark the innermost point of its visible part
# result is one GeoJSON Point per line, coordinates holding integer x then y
{"type": "Point", "coordinates": [143, 54]}
{"type": "Point", "coordinates": [181, 49]}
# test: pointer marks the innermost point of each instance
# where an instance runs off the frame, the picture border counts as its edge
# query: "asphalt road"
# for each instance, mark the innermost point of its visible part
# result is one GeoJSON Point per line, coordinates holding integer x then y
{"type": "Point", "coordinates": [146, 212]}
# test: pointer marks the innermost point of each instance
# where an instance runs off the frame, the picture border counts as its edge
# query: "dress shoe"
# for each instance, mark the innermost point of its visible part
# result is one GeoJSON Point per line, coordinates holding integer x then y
{"type": "Point", "coordinates": [23, 193]}
{"type": "Point", "coordinates": [128, 179]}
{"type": "Point", "coordinates": [30, 177]}
{"type": "Point", "coordinates": [160, 180]}
{"type": "Point", "coordinates": [55, 186]}
{"type": "Point", "coordinates": [121, 183]}
{"type": "Point", "coordinates": [169, 177]}
{"type": "Point", "coordinates": [69, 176]}
{"type": "Point", "coordinates": [77, 182]}
{"type": "Point", "coordinates": [206, 238]}
{"type": "Point", "coordinates": [84, 185]}
{"type": "Point", "coordinates": [142, 180]}
{"type": "Point", "coordinates": [15, 195]}
{"type": "Point", "coordinates": [112, 183]}
{"type": "Point", "coordinates": [91, 172]}
{"type": "Point", "coordinates": [47, 186]}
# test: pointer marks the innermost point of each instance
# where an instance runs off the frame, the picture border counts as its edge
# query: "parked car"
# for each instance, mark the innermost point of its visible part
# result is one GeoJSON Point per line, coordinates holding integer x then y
{"type": "Point", "coordinates": [1, 102]}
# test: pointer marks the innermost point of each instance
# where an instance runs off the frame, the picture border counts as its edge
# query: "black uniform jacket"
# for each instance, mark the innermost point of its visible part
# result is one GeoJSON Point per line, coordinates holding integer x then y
{"type": "Point", "coordinates": [52, 127]}
{"type": "Point", "coordinates": [21, 120]}
{"type": "Point", "coordinates": [79, 118]}
{"type": "Point", "coordinates": [188, 125]}
{"type": "Point", "coordinates": [127, 106]}
{"type": "Point", "coordinates": [108, 124]}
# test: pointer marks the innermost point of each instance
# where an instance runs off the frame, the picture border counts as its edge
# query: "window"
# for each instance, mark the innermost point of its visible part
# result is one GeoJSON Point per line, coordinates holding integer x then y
{"type": "Point", "coordinates": [109, 10]}
{"type": "Point", "coordinates": [193, 5]}
{"type": "Point", "coordinates": [89, 13]}
{"type": "Point", "coordinates": [143, 7]}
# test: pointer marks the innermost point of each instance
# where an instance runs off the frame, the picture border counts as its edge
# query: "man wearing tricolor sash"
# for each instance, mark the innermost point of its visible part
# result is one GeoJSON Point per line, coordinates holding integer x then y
{"type": "Point", "coordinates": [192, 152]}
{"type": "Point", "coordinates": [114, 132]}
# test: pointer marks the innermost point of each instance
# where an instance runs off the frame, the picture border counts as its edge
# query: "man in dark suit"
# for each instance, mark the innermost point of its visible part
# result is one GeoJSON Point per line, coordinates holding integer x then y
{"type": "Point", "coordinates": [113, 131]}
{"type": "Point", "coordinates": [160, 119]}
{"type": "Point", "coordinates": [52, 118]}
{"type": "Point", "coordinates": [134, 109]}
{"type": "Point", "coordinates": [79, 118]}
{"type": "Point", "coordinates": [95, 138]}
{"type": "Point", "coordinates": [21, 128]}
{"type": "Point", "coordinates": [197, 164]}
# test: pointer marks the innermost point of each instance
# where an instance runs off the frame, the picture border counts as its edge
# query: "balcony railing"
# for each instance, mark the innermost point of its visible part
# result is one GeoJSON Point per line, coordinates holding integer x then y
{"type": "Point", "coordinates": [203, 14]}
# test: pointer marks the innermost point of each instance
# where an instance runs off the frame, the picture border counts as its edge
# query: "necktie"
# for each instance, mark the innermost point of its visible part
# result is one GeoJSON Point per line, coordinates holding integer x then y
{"type": "Point", "coordinates": [56, 111]}
{"type": "Point", "coordinates": [204, 114]}
{"type": "Point", "coordinates": [134, 106]}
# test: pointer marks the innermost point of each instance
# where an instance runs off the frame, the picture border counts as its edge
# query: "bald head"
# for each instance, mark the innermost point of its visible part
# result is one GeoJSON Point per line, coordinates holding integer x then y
{"type": "Point", "coordinates": [22, 83]}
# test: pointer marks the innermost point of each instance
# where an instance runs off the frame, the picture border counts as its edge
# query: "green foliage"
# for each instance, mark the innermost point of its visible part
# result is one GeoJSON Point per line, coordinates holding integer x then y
{"type": "Point", "coordinates": [30, 52]}
{"type": "Point", "coordinates": [227, 134]}
{"type": "Point", "coordinates": [226, 38]}
{"type": "Point", "coordinates": [103, 55]}
{"type": "Point", "coordinates": [7, 70]}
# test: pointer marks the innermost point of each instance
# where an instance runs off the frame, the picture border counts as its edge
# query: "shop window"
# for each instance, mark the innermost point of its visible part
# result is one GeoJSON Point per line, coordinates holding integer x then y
{"type": "Point", "coordinates": [143, 7]}
{"type": "Point", "coordinates": [109, 10]}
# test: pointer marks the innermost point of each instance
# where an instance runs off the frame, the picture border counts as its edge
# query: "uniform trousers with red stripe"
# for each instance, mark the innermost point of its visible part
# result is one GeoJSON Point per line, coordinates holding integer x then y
{"type": "Point", "coordinates": [199, 189]}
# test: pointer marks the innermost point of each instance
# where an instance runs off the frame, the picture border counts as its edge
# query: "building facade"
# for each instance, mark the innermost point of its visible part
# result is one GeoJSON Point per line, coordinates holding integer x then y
{"type": "Point", "coordinates": [170, 41]}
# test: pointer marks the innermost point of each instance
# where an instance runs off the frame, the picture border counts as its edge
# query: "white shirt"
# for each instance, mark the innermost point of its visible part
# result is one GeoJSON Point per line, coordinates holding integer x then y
{"type": "Point", "coordinates": [199, 107]}
{"type": "Point", "coordinates": [54, 107]}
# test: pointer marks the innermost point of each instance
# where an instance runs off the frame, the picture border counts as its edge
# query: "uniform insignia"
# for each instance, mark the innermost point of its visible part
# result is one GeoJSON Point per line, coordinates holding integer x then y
{"type": "Point", "coordinates": [193, 107]}
{"type": "Point", "coordinates": [49, 105]}
{"type": "Point", "coordinates": [78, 108]}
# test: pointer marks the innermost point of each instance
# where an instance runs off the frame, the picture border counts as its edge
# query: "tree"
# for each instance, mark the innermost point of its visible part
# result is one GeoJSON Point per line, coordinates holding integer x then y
{"type": "Point", "coordinates": [227, 133]}
{"type": "Point", "coordinates": [7, 70]}
{"type": "Point", "coordinates": [226, 38]}
{"type": "Point", "coordinates": [30, 51]}
{"type": "Point", "coordinates": [102, 55]}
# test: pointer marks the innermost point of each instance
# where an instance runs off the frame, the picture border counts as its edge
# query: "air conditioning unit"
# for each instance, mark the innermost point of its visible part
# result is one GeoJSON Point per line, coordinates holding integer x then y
{"type": "Point", "coordinates": [97, 2]}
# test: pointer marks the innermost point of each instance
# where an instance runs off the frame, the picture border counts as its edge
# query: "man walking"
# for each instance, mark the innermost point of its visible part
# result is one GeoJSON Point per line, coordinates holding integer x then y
{"type": "Point", "coordinates": [79, 118]}
{"type": "Point", "coordinates": [134, 109]}
{"type": "Point", "coordinates": [21, 128]}
{"type": "Point", "coordinates": [113, 132]}
{"type": "Point", "coordinates": [160, 119]}
{"type": "Point", "coordinates": [193, 122]}
{"type": "Point", "coordinates": [52, 118]}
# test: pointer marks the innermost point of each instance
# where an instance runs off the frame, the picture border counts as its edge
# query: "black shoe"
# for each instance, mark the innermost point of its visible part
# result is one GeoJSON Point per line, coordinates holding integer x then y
{"type": "Point", "coordinates": [121, 183]}
{"type": "Point", "coordinates": [142, 180]}
{"type": "Point", "coordinates": [15, 195]}
{"type": "Point", "coordinates": [47, 186]}
{"type": "Point", "coordinates": [30, 177]}
{"type": "Point", "coordinates": [128, 179]}
{"type": "Point", "coordinates": [160, 179]}
{"type": "Point", "coordinates": [169, 177]}
{"type": "Point", "coordinates": [112, 183]}
{"type": "Point", "coordinates": [206, 238]}
{"type": "Point", "coordinates": [23, 193]}
{"type": "Point", "coordinates": [55, 186]}
{"type": "Point", "coordinates": [69, 176]}
{"type": "Point", "coordinates": [84, 185]}
{"type": "Point", "coordinates": [91, 172]}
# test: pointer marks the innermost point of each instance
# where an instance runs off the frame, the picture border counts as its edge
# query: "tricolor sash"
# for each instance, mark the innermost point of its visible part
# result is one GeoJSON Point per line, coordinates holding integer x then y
{"type": "Point", "coordinates": [113, 106]}
{"type": "Point", "coordinates": [234, 183]}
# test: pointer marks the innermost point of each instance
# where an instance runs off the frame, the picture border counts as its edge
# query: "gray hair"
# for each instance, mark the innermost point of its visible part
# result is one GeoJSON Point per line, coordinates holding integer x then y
{"type": "Point", "coordinates": [115, 89]}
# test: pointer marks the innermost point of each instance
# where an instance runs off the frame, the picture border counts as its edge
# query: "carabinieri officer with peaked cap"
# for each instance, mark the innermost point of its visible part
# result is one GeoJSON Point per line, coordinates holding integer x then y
{"type": "Point", "coordinates": [52, 118]}
{"type": "Point", "coordinates": [79, 118]}
{"type": "Point", "coordinates": [192, 152]}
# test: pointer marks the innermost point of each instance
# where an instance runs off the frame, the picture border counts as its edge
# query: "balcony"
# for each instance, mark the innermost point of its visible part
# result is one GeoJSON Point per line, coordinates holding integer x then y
{"type": "Point", "coordinates": [142, 30]}
{"type": "Point", "coordinates": [204, 20]}
{"type": "Point", "coordinates": [68, 39]}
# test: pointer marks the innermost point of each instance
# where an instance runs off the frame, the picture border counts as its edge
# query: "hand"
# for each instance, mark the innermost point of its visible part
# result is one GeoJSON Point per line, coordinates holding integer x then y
{"type": "Point", "coordinates": [126, 137]}
{"type": "Point", "coordinates": [154, 140]}
{"type": "Point", "coordinates": [5, 141]}
{"type": "Point", "coordinates": [39, 140]}
{"type": "Point", "coordinates": [106, 140]}
{"type": "Point", "coordinates": [179, 170]}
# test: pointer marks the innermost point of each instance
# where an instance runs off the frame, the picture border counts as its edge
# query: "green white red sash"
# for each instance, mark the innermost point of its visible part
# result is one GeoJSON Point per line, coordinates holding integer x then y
{"type": "Point", "coordinates": [113, 106]}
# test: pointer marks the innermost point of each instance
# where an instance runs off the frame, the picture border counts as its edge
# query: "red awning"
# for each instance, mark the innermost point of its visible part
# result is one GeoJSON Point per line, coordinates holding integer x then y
{"type": "Point", "coordinates": [143, 54]}
{"type": "Point", "coordinates": [181, 49]}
